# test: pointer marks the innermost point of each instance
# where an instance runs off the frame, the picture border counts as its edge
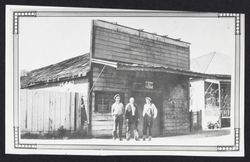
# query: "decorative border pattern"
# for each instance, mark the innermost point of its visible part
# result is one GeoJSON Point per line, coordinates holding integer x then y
{"type": "Point", "coordinates": [237, 20]}
{"type": "Point", "coordinates": [17, 143]}
{"type": "Point", "coordinates": [237, 24]}
{"type": "Point", "coordinates": [18, 14]}
{"type": "Point", "coordinates": [236, 146]}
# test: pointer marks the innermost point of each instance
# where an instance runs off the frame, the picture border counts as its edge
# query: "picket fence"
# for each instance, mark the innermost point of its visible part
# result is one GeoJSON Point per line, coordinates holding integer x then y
{"type": "Point", "coordinates": [48, 111]}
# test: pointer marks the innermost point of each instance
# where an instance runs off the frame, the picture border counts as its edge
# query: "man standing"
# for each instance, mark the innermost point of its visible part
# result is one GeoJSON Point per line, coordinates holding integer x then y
{"type": "Point", "coordinates": [149, 113]}
{"type": "Point", "coordinates": [117, 111]}
{"type": "Point", "coordinates": [132, 117]}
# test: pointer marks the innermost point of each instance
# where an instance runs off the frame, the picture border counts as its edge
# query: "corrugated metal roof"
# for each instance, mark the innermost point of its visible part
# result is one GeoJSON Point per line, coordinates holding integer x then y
{"type": "Point", "coordinates": [72, 68]}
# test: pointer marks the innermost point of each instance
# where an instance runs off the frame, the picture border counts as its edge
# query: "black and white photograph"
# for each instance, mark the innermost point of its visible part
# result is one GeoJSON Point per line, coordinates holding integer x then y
{"type": "Point", "coordinates": [84, 81]}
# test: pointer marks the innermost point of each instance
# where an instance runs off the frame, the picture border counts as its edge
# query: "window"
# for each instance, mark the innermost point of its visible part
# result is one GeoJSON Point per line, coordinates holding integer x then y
{"type": "Point", "coordinates": [104, 101]}
{"type": "Point", "coordinates": [211, 94]}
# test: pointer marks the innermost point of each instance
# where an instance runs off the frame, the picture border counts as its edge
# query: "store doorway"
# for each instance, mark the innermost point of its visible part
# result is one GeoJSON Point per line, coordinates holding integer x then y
{"type": "Point", "coordinates": [140, 101]}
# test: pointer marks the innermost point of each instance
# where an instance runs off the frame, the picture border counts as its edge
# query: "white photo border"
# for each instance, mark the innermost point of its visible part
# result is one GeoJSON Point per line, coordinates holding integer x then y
{"type": "Point", "coordinates": [237, 76]}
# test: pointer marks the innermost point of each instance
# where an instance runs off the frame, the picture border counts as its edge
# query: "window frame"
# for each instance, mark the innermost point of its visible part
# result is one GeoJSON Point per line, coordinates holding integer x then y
{"type": "Point", "coordinates": [109, 98]}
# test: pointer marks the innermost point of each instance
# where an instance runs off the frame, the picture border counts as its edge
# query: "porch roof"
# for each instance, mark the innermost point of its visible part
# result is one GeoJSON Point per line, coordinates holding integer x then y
{"type": "Point", "coordinates": [156, 68]}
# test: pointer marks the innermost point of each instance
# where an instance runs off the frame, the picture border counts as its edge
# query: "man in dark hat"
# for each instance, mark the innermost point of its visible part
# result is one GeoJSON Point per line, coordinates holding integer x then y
{"type": "Point", "coordinates": [149, 113]}
{"type": "Point", "coordinates": [117, 111]}
{"type": "Point", "coordinates": [132, 117]}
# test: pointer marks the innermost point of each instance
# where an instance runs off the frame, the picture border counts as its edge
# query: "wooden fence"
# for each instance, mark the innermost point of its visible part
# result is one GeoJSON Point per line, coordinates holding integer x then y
{"type": "Point", "coordinates": [47, 111]}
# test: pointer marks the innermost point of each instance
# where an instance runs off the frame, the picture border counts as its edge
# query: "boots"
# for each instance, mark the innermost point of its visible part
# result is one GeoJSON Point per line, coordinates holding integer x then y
{"type": "Point", "coordinates": [127, 136]}
{"type": "Point", "coordinates": [144, 138]}
{"type": "Point", "coordinates": [136, 135]}
{"type": "Point", "coordinates": [114, 135]}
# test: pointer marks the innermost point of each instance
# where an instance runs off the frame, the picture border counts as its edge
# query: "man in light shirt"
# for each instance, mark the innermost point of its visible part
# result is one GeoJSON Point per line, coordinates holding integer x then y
{"type": "Point", "coordinates": [149, 113]}
{"type": "Point", "coordinates": [117, 111]}
{"type": "Point", "coordinates": [132, 117]}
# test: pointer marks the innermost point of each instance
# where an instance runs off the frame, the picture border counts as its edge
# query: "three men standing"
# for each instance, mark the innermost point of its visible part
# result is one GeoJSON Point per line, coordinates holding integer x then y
{"type": "Point", "coordinates": [132, 117]}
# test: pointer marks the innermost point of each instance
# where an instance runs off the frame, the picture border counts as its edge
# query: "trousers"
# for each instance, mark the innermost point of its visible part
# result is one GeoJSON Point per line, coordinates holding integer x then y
{"type": "Point", "coordinates": [118, 122]}
{"type": "Point", "coordinates": [147, 125]}
{"type": "Point", "coordinates": [132, 127]}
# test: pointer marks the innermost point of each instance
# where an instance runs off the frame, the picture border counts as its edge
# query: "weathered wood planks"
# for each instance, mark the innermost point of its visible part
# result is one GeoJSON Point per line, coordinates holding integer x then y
{"type": "Point", "coordinates": [47, 111]}
{"type": "Point", "coordinates": [119, 46]}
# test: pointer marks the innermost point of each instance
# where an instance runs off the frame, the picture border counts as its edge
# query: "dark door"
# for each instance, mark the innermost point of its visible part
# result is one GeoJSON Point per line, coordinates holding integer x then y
{"type": "Point", "coordinates": [140, 101]}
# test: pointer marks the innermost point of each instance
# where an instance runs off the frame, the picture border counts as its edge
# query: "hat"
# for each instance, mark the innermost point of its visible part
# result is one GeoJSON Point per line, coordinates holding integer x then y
{"type": "Point", "coordinates": [117, 95]}
{"type": "Point", "coordinates": [148, 98]}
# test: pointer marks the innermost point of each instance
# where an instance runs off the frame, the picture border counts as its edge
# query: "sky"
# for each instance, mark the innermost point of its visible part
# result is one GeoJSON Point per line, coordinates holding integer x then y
{"type": "Point", "coordinates": [47, 40]}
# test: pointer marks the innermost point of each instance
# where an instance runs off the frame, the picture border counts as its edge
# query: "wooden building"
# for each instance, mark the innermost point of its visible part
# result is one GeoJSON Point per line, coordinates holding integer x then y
{"type": "Point", "coordinates": [133, 63]}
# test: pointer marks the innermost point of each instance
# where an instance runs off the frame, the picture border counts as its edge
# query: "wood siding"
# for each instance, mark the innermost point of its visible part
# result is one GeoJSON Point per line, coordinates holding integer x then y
{"type": "Point", "coordinates": [80, 85]}
{"type": "Point", "coordinates": [47, 107]}
{"type": "Point", "coordinates": [47, 111]}
{"type": "Point", "coordinates": [173, 111]}
{"type": "Point", "coordinates": [111, 81]}
{"type": "Point", "coordinates": [119, 46]}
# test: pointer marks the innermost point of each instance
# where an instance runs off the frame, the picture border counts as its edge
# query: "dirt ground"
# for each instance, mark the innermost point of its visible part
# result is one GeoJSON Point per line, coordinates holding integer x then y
{"type": "Point", "coordinates": [208, 138]}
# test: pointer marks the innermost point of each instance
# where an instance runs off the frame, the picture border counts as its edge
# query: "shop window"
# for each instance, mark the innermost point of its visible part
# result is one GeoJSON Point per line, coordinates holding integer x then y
{"type": "Point", "coordinates": [104, 101]}
{"type": "Point", "coordinates": [211, 94]}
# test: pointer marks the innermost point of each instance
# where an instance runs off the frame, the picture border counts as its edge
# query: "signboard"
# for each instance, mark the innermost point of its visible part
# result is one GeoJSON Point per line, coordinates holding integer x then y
{"type": "Point", "coordinates": [149, 85]}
